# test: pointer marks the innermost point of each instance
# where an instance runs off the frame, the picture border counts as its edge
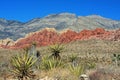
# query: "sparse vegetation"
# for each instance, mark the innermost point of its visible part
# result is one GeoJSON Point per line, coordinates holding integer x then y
{"type": "Point", "coordinates": [63, 68]}
{"type": "Point", "coordinates": [50, 63]}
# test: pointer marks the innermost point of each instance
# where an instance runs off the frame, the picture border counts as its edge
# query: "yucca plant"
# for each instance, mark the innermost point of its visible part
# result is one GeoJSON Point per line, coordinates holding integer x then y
{"type": "Point", "coordinates": [50, 63]}
{"type": "Point", "coordinates": [76, 70]}
{"type": "Point", "coordinates": [56, 49]}
{"type": "Point", "coordinates": [91, 65]}
{"type": "Point", "coordinates": [72, 57]}
{"type": "Point", "coordinates": [22, 65]}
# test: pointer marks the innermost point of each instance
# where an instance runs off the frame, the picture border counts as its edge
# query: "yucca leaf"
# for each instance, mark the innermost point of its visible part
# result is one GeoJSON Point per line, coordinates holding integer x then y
{"type": "Point", "coordinates": [29, 60]}
{"type": "Point", "coordinates": [19, 58]}
{"type": "Point", "coordinates": [15, 71]}
{"type": "Point", "coordinates": [15, 62]}
{"type": "Point", "coordinates": [33, 62]}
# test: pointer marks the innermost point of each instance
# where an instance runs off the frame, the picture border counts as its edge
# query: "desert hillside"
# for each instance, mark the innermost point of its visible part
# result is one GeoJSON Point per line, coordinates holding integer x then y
{"type": "Point", "coordinates": [96, 56]}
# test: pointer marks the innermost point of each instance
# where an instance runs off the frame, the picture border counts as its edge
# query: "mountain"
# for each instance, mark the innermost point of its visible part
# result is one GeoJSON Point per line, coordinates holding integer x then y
{"type": "Point", "coordinates": [16, 29]}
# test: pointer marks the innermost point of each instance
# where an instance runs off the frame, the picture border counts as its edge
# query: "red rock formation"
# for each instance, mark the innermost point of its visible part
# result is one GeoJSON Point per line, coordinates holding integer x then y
{"type": "Point", "coordinates": [67, 36]}
{"type": "Point", "coordinates": [42, 38]}
{"type": "Point", "coordinates": [50, 36]}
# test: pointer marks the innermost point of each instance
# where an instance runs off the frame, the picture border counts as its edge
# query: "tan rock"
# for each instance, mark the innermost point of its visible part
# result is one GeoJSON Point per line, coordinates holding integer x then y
{"type": "Point", "coordinates": [7, 42]}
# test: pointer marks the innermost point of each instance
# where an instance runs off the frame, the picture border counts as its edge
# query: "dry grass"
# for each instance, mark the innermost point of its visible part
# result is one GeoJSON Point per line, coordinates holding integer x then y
{"type": "Point", "coordinates": [97, 51]}
{"type": "Point", "coordinates": [59, 74]}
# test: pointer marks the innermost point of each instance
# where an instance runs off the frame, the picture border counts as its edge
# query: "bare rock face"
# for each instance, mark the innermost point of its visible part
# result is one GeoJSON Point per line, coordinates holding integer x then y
{"type": "Point", "coordinates": [84, 77]}
{"type": "Point", "coordinates": [67, 36]}
{"type": "Point", "coordinates": [98, 33]}
{"type": "Point", "coordinates": [41, 38]}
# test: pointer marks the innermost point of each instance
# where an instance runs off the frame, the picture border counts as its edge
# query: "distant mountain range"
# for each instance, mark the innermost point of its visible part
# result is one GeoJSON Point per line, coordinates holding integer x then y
{"type": "Point", "coordinates": [15, 29]}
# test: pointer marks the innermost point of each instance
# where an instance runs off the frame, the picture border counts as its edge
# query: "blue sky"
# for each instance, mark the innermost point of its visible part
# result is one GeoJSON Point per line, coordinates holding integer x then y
{"type": "Point", "coordinates": [25, 10]}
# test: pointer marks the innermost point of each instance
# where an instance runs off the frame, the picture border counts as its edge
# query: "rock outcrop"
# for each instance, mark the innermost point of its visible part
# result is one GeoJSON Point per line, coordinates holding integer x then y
{"type": "Point", "coordinates": [6, 42]}
{"type": "Point", "coordinates": [49, 36]}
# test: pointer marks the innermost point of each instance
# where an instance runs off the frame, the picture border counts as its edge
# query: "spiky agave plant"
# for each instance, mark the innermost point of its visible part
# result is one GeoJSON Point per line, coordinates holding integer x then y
{"type": "Point", "coordinates": [56, 49]}
{"type": "Point", "coordinates": [72, 57]}
{"type": "Point", "coordinates": [50, 63]}
{"type": "Point", "coordinates": [22, 65]}
{"type": "Point", "coordinates": [76, 70]}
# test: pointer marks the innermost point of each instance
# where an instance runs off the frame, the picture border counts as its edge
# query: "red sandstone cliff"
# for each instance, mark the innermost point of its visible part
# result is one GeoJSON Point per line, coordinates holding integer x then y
{"type": "Point", "coordinates": [49, 36]}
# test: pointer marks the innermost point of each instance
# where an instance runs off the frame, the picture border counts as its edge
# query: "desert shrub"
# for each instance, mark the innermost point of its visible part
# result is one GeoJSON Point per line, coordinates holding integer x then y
{"type": "Point", "coordinates": [22, 65]}
{"type": "Point", "coordinates": [100, 75]}
{"type": "Point", "coordinates": [116, 59]}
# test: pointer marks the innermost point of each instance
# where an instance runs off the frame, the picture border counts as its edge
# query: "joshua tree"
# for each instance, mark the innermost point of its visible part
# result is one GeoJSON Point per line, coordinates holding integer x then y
{"type": "Point", "coordinates": [56, 49]}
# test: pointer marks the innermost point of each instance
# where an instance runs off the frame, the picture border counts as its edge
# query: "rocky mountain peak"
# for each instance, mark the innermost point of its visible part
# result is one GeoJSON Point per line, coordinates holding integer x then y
{"type": "Point", "coordinates": [69, 15]}
{"type": "Point", "coordinates": [3, 21]}
{"type": "Point", "coordinates": [14, 29]}
{"type": "Point", "coordinates": [34, 20]}
{"type": "Point", "coordinates": [9, 22]}
{"type": "Point", "coordinates": [95, 16]}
